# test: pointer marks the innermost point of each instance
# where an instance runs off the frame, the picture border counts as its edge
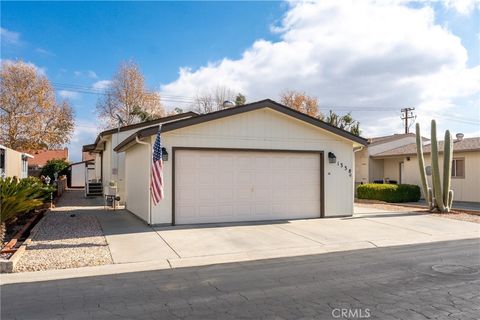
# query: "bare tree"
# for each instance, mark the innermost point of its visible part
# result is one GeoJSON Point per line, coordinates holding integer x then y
{"type": "Point", "coordinates": [213, 100]}
{"type": "Point", "coordinates": [30, 116]}
{"type": "Point", "coordinates": [129, 98]}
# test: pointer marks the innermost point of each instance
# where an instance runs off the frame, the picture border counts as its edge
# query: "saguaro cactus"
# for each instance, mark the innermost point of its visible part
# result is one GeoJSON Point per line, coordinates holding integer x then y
{"type": "Point", "coordinates": [427, 192]}
{"type": "Point", "coordinates": [440, 197]}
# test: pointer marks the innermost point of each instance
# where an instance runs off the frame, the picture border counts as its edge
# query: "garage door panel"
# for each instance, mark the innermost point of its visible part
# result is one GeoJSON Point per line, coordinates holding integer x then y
{"type": "Point", "coordinates": [263, 178]}
{"type": "Point", "coordinates": [186, 195]}
{"type": "Point", "coordinates": [244, 178]}
{"type": "Point", "coordinates": [262, 194]}
{"type": "Point", "coordinates": [207, 211]}
{"type": "Point", "coordinates": [224, 195]}
{"type": "Point", "coordinates": [244, 194]}
{"type": "Point", "coordinates": [224, 178]}
{"type": "Point", "coordinates": [226, 186]}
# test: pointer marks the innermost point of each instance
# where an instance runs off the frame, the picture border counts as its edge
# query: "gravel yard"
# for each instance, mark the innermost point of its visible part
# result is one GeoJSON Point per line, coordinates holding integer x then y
{"type": "Point", "coordinates": [458, 215]}
{"type": "Point", "coordinates": [63, 241]}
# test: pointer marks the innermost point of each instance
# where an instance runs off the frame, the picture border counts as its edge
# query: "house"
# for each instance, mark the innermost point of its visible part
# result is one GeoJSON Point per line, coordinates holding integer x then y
{"type": "Point", "coordinates": [260, 161]}
{"type": "Point", "coordinates": [401, 164]}
{"type": "Point", "coordinates": [13, 163]}
{"type": "Point", "coordinates": [369, 169]}
{"type": "Point", "coordinates": [41, 157]}
{"type": "Point", "coordinates": [108, 167]}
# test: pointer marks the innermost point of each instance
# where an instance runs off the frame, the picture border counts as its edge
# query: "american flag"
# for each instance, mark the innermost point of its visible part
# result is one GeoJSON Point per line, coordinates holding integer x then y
{"type": "Point", "coordinates": [156, 185]}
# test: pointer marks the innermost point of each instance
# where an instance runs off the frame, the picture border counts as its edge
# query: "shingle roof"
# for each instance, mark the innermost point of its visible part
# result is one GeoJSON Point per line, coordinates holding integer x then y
{"type": "Point", "coordinates": [379, 140]}
{"type": "Point", "coordinates": [464, 145]}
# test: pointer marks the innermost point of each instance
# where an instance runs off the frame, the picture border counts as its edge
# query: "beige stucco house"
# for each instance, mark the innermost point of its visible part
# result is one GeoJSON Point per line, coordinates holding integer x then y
{"type": "Point", "coordinates": [260, 161]}
{"type": "Point", "coordinates": [108, 166]}
{"type": "Point", "coordinates": [401, 164]}
{"type": "Point", "coordinates": [394, 159]}
{"type": "Point", "coordinates": [13, 163]}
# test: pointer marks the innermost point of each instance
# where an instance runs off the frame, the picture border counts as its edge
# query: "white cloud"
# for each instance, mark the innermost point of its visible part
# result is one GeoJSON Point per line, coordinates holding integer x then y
{"type": "Point", "coordinates": [89, 74]}
{"type": "Point", "coordinates": [102, 84]}
{"type": "Point", "coordinates": [358, 54]}
{"type": "Point", "coordinates": [9, 37]}
{"type": "Point", "coordinates": [464, 7]}
{"type": "Point", "coordinates": [68, 94]}
{"type": "Point", "coordinates": [92, 74]}
{"type": "Point", "coordinates": [83, 134]}
{"type": "Point", "coordinates": [44, 52]}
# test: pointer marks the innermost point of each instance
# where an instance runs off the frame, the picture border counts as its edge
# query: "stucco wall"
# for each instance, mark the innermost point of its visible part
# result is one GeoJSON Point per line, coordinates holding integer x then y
{"type": "Point", "coordinates": [466, 189]}
{"type": "Point", "coordinates": [13, 163]}
{"type": "Point", "coordinates": [137, 161]}
{"type": "Point", "coordinates": [376, 169]}
{"type": "Point", "coordinates": [391, 169]}
{"type": "Point", "coordinates": [361, 166]}
{"type": "Point", "coordinates": [262, 129]}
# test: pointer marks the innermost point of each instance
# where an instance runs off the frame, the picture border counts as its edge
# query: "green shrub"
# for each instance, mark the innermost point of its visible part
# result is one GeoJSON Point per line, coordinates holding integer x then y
{"type": "Point", "coordinates": [389, 192]}
{"type": "Point", "coordinates": [19, 196]}
{"type": "Point", "coordinates": [59, 166]}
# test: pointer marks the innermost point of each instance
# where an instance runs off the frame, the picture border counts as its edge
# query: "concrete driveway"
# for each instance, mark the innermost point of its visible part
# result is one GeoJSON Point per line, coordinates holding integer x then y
{"type": "Point", "coordinates": [130, 240]}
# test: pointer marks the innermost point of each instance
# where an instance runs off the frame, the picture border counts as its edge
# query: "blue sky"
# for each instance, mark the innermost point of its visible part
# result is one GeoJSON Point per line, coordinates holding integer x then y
{"type": "Point", "coordinates": [79, 44]}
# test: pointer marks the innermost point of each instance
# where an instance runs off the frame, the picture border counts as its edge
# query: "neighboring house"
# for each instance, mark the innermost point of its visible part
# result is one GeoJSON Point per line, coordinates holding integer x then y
{"type": "Point", "coordinates": [260, 161]}
{"type": "Point", "coordinates": [401, 164]}
{"type": "Point", "coordinates": [13, 163]}
{"type": "Point", "coordinates": [87, 156]}
{"type": "Point", "coordinates": [41, 158]}
{"type": "Point", "coordinates": [108, 166]}
{"type": "Point", "coordinates": [367, 168]}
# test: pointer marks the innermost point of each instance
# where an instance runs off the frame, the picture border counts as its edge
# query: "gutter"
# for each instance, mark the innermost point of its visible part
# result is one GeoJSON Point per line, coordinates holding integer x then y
{"type": "Point", "coordinates": [149, 178]}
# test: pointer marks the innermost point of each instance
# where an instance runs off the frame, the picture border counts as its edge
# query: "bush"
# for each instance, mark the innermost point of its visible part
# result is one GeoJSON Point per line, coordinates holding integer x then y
{"type": "Point", "coordinates": [389, 192]}
{"type": "Point", "coordinates": [20, 196]}
{"type": "Point", "coordinates": [59, 166]}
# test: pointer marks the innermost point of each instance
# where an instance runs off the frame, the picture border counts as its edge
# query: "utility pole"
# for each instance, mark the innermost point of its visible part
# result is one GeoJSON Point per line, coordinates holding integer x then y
{"type": "Point", "coordinates": [407, 114]}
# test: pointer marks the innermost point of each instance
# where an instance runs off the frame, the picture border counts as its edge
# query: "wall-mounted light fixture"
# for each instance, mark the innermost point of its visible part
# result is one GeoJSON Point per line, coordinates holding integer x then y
{"type": "Point", "coordinates": [164, 154]}
{"type": "Point", "coordinates": [408, 158]}
{"type": "Point", "coordinates": [331, 157]}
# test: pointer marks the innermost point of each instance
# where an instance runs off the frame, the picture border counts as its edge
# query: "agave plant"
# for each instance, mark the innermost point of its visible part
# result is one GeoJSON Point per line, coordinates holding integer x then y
{"type": "Point", "coordinates": [20, 196]}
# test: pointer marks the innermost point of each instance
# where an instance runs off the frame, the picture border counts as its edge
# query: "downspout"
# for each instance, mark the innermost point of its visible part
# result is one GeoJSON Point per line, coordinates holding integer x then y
{"type": "Point", "coordinates": [149, 179]}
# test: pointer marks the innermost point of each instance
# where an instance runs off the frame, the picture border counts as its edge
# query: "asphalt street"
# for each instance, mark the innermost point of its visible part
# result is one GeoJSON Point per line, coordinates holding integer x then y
{"type": "Point", "coordinates": [429, 281]}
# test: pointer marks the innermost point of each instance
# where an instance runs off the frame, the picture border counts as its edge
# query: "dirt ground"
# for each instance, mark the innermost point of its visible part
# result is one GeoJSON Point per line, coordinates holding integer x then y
{"type": "Point", "coordinates": [455, 214]}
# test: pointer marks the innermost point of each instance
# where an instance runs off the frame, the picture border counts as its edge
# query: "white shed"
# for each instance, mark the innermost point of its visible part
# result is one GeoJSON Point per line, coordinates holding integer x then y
{"type": "Point", "coordinates": [261, 161]}
{"type": "Point", "coordinates": [78, 173]}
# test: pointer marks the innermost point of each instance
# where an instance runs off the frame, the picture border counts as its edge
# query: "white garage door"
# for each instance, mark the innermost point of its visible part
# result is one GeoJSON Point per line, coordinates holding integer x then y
{"type": "Point", "coordinates": [228, 186]}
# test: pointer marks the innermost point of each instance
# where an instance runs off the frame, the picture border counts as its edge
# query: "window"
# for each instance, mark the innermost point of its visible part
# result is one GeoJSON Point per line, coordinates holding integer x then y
{"type": "Point", "coordinates": [458, 168]}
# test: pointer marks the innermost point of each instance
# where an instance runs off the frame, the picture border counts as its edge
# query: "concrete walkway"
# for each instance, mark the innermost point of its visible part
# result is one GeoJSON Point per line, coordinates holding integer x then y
{"type": "Point", "coordinates": [131, 240]}
{"type": "Point", "coordinates": [136, 246]}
